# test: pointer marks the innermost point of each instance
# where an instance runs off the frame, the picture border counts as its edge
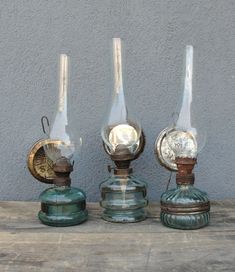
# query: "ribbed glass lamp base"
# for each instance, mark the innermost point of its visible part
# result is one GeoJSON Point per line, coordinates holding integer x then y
{"type": "Point", "coordinates": [185, 222]}
{"type": "Point", "coordinates": [63, 206]}
{"type": "Point", "coordinates": [185, 207]}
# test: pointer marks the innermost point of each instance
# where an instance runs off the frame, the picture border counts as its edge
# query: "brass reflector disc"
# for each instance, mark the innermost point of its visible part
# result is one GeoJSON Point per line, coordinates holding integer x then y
{"type": "Point", "coordinates": [163, 152]}
{"type": "Point", "coordinates": [40, 166]}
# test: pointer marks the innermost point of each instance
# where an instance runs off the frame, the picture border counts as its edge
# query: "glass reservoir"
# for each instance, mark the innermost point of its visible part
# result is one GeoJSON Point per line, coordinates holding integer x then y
{"type": "Point", "coordinates": [123, 196]}
{"type": "Point", "coordinates": [186, 207]}
{"type": "Point", "coordinates": [62, 205]}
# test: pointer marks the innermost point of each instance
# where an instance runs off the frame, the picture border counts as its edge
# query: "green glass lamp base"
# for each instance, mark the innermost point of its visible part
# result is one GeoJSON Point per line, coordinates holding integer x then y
{"type": "Point", "coordinates": [185, 207]}
{"type": "Point", "coordinates": [185, 222]}
{"type": "Point", "coordinates": [63, 206]}
{"type": "Point", "coordinates": [123, 199]}
{"type": "Point", "coordinates": [63, 221]}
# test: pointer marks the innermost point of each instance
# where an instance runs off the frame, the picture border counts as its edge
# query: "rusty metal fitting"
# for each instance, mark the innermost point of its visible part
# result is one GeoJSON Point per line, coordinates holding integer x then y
{"type": "Point", "coordinates": [185, 180]}
{"type": "Point", "coordinates": [122, 172]}
{"type": "Point", "coordinates": [62, 169]}
{"type": "Point", "coordinates": [185, 209]}
{"type": "Point", "coordinates": [185, 165]}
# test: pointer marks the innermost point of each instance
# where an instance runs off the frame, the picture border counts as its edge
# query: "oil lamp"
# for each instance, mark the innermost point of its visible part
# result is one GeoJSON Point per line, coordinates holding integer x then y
{"type": "Point", "coordinates": [177, 147]}
{"type": "Point", "coordinates": [123, 196]}
{"type": "Point", "coordinates": [61, 205]}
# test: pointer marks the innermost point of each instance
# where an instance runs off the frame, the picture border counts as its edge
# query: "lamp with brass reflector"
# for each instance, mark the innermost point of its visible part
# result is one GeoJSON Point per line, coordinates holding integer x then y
{"type": "Point", "coordinates": [51, 161]}
{"type": "Point", "coordinates": [177, 148]}
{"type": "Point", "coordinates": [123, 196]}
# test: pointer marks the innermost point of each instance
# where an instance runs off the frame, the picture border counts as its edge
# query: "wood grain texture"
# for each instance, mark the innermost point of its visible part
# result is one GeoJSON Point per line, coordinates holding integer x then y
{"type": "Point", "coordinates": [27, 245]}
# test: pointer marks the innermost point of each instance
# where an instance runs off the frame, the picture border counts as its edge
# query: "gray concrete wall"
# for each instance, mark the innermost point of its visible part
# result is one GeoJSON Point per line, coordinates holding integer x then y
{"type": "Point", "coordinates": [33, 33]}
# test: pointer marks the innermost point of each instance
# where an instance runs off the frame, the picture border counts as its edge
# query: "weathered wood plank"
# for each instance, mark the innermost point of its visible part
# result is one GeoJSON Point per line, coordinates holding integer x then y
{"type": "Point", "coordinates": [26, 245]}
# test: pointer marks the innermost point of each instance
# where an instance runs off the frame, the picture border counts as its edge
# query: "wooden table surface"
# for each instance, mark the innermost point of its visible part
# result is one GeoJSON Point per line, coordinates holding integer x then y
{"type": "Point", "coordinates": [99, 246]}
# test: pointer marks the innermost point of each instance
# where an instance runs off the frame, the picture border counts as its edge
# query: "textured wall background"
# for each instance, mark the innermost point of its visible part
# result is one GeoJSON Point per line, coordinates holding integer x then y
{"type": "Point", "coordinates": [33, 33]}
